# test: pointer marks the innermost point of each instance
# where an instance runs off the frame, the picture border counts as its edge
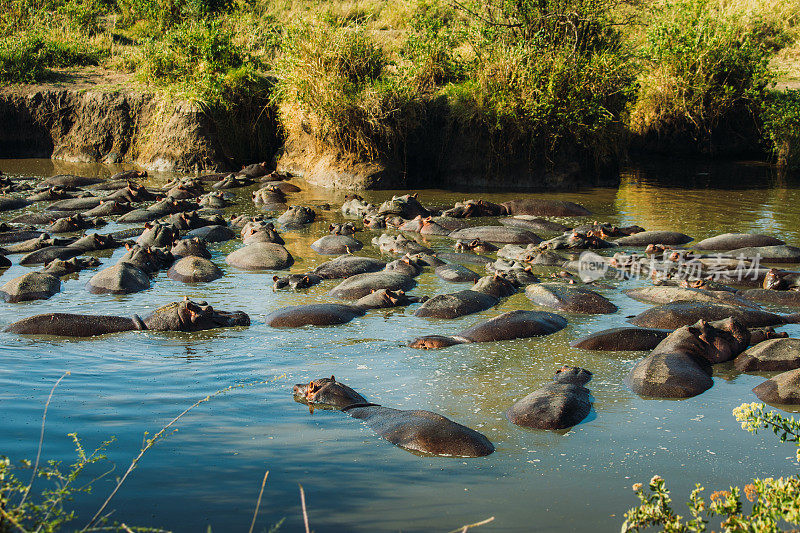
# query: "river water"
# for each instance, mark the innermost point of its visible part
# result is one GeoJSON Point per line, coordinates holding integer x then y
{"type": "Point", "coordinates": [210, 471]}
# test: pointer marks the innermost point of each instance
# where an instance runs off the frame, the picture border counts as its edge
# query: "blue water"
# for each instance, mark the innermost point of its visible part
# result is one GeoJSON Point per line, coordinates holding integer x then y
{"type": "Point", "coordinates": [209, 472]}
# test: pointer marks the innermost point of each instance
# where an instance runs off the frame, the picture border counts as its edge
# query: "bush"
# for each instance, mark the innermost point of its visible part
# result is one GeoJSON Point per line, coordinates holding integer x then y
{"type": "Point", "coordinates": [342, 81]}
{"type": "Point", "coordinates": [774, 500]}
{"type": "Point", "coordinates": [700, 65]}
{"type": "Point", "coordinates": [28, 57]}
{"type": "Point", "coordinates": [548, 75]}
{"type": "Point", "coordinates": [780, 114]}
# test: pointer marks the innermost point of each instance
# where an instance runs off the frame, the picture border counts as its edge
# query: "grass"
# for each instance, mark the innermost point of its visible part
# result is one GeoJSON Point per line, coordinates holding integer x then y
{"type": "Point", "coordinates": [534, 78]}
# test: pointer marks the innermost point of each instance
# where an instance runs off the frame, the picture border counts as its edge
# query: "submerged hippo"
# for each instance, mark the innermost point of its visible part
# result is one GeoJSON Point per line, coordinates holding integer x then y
{"type": "Point", "coordinates": [418, 431]}
{"type": "Point", "coordinates": [545, 208]}
{"type": "Point", "coordinates": [676, 314]}
{"type": "Point", "coordinates": [360, 285]}
{"type": "Point", "coordinates": [680, 366]}
{"type": "Point", "coordinates": [295, 281]}
{"type": "Point", "coordinates": [569, 298]}
{"type": "Point", "coordinates": [510, 325]}
{"type": "Point", "coordinates": [645, 238]}
{"type": "Point", "coordinates": [122, 278]}
{"type": "Point", "coordinates": [770, 355]}
{"type": "Point", "coordinates": [30, 286]}
{"type": "Point", "coordinates": [732, 241]}
{"type": "Point", "coordinates": [622, 339]}
{"type": "Point", "coordinates": [783, 389]}
{"type": "Point", "coordinates": [555, 406]}
{"type": "Point", "coordinates": [336, 244]}
{"type": "Point", "coordinates": [456, 304]}
{"type": "Point", "coordinates": [313, 315]}
{"type": "Point", "coordinates": [177, 316]}
{"type": "Point", "coordinates": [499, 234]}
{"type": "Point", "coordinates": [194, 269]}
{"type": "Point", "coordinates": [260, 256]}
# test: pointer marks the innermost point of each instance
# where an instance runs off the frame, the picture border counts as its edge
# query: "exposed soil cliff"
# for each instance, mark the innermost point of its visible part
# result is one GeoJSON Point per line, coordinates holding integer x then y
{"type": "Point", "coordinates": [91, 122]}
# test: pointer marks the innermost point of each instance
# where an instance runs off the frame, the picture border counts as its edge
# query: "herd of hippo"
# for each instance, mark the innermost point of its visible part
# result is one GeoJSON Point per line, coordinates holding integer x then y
{"type": "Point", "coordinates": [706, 297]}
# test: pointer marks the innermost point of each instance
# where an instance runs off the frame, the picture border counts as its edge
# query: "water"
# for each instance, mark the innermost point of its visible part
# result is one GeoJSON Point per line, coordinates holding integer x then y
{"type": "Point", "coordinates": [210, 471]}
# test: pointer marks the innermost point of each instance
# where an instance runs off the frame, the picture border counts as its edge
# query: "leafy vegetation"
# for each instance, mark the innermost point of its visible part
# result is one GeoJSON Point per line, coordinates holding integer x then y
{"type": "Point", "coordinates": [534, 77]}
{"type": "Point", "coordinates": [774, 501]}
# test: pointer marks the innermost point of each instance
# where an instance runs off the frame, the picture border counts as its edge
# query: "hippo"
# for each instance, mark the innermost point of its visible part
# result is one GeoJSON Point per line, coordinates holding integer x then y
{"type": "Point", "coordinates": [30, 286]}
{"type": "Point", "coordinates": [69, 181]}
{"type": "Point", "coordinates": [498, 234]}
{"type": "Point", "coordinates": [434, 226]}
{"type": "Point", "coordinates": [51, 193]}
{"type": "Point", "coordinates": [232, 182]}
{"type": "Point", "coordinates": [607, 231]}
{"type": "Point", "coordinates": [534, 224]}
{"type": "Point", "coordinates": [260, 256]}
{"type": "Point", "coordinates": [95, 241]}
{"type": "Point", "coordinates": [677, 314]}
{"type": "Point", "coordinates": [128, 175]}
{"type": "Point", "coordinates": [177, 316]}
{"type": "Point", "coordinates": [9, 204]}
{"type": "Point", "coordinates": [418, 431]}
{"type": "Point", "coordinates": [37, 243]}
{"type": "Point", "coordinates": [255, 170]}
{"type": "Point", "coordinates": [398, 244]}
{"type": "Point", "coordinates": [270, 197]}
{"type": "Point", "coordinates": [73, 223]}
{"type": "Point", "coordinates": [215, 200]}
{"type": "Point", "coordinates": [283, 186]}
{"type": "Point", "coordinates": [385, 298]}
{"type": "Point", "coordinates": [622, 339]}
{"type": "Point", "coordinates": [190, 247]}
{"type": "Point", "coordinates": [732, 241]}
{"type": "Point", "coordinates": [50, 253]}
{"type": "Point", "coordinates": [406, 206]}
{"type": "Point", "coordinates": [297, 215]}
{"type": "Point", "coordinates": [531, 254]}
{"type": "Point", "coordinates": [770, 296]}
{"type": "Point", "coordinates": [193, 269]}
{"type": "Point", "coordinates": [219, 233]}
{"type": "Point", "coordinates": [645, 238]}
{"type": "Point", "coordinates": [781, 280]}
{"type": "Point", "coordinates": [680, 366]}
{"type": "Point", "coordinates": [355, 206]}
{"type": "Point", "coordinates": [122, 278]}
{"type": "Point", "coordinates": [407, 265]}
{"type": "Point", "coordinates": [360, 285]}
{"type": "Point", "coordinates": [60, 268]}
{"type": "Point", "coordinates": [783, 389]}
{"type": "Point", "coordinates": [576, 240]}
{"type": "Point", "coordinates": [132, 193]}
{"type": "Point", "coordinates": [348, 228]}
{"type": "Point", "coordinates": [184, 191]}
{"type": "Point", "coordinates": [326, 314]}
{"type": "Point", "coordinates": [11, 235]}
{"type": "Point", "coordinates": [475, 246]}
{"type": "Point", "coordinates": [768, 254]}
{"type": "Point", "coordinates": [158, 235]}
{"type": "Point", "coordinates": [770, 355]}
{"type": "Point", "coordinates": [346, 266]}
{"type": "Point", "coordinates": [495, 285]}
{"type": "Point", "coordinates": [569, 298]}
{"type": "Point", "coordinates": [470, 259]}
{"type": "Point", "coordinates": [475, 208]}
{"type": "Point", "coordinates": [148, 259]}
{"type": "Point", "coordinates": [456, 273]}
{"type": "Point", "coordinates": [545, 208]}
{"type": "Point", "coordinates": [508, 326]}
{"type": "Point", "coordinates": [75, 204]}
{"type": "Point", "coordinates": [260, 231]}
{"type": "Point", "coordinates": [456, 304]}
{"type": "Point", "coordinates": [108, 208]}
{"type": "Point", "coordinates": [336, 244]}
{"type": "Point", "coordinates": [662, 294]}
{"type": "Point", "coordinates": [556, 406]}
{"type": "Point", "coordinates": [296, 281]}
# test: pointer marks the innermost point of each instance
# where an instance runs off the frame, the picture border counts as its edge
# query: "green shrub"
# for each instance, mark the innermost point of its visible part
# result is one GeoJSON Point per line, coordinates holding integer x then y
{"type": "Point", "coordinates": [343, 82]}
{"type": "Point", "coordinates": [780, 114]}
{"type": "Point", "coordinates": [29, 57]}
{"type": "Point", "coordinates": [700, 65]}
{"type": "Point", "coordinates": [775, 501]}
{"type": "Point", "coordinates": [548, 75]}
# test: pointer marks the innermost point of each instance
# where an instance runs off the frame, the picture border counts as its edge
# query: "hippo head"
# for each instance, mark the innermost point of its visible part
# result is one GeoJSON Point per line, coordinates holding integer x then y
{"type": "Point", "coordinates": [572, 374]}
{"type": "Point", "coordinates": [762, 334]}
{"type": "Point", "coordinates": [191, 316]}
{"type": "Point", "coordinates": [327, 393]}
{"type": "Point", "coordinates": [724, 338]}
{"type": "Point", "coordinates": [774, 280]}
{"type": "Point", "coordinates": [433, 342]}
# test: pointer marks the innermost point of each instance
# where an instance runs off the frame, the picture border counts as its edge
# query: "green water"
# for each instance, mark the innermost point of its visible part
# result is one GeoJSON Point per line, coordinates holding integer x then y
{"type": "Point", "coordinates": [210, 471]}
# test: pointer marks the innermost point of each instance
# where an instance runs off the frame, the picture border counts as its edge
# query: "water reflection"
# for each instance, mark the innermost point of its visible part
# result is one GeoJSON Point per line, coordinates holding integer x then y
{"type": "Point", "coordinates": [210, 471]}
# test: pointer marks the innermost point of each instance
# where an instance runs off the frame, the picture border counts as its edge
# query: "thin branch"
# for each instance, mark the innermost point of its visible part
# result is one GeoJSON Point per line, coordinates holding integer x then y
{"type": "Point", "coordinates": [303, 503]}
{"type": "Point", "coordinates": [41, 440]}
{"type": "Point", "coordinates": [258, 502]}
{"type": "Point", "coordinates": [463, 529]}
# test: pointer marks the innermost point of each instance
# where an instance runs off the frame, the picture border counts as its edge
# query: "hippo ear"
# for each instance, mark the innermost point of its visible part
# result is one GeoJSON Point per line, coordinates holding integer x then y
{"type": "Point", "coordinates": [148, 225]}
{"type": "Point", "coordinates": [414, 195]}
{"type": "Point", "coordinates": [306, 279]}
{"type": "Point", "coordinates": [333, 378]}
{"type": "Point", "coordinates": [128, 246]}
{"type": "Point", "coordinates": [275, 278]}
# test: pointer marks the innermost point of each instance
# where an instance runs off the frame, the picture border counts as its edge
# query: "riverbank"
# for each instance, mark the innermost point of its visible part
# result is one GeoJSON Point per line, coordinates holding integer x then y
{"type": "Point", "coordinates": [420, 93]}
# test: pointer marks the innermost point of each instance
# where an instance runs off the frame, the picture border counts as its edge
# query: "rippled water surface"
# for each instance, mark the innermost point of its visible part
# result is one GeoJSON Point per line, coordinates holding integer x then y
{"type": "Point", "coordinates": [210, 471]}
